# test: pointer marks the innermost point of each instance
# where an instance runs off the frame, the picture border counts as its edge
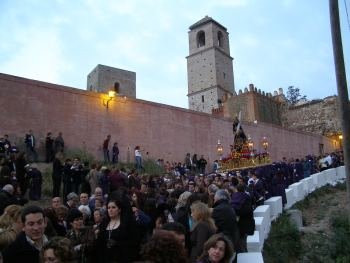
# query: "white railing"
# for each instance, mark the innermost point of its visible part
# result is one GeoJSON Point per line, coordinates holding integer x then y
{"type": "Point", "coordinates": [272, 208]}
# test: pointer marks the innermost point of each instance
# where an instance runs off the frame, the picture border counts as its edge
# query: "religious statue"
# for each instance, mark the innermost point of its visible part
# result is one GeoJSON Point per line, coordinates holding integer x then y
{"type": "Point", "coordinates": [239, 137]}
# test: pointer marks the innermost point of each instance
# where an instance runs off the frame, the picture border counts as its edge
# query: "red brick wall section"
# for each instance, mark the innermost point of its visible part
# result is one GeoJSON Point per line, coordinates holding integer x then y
{"type": "Point", "coordinates": [164, 131]}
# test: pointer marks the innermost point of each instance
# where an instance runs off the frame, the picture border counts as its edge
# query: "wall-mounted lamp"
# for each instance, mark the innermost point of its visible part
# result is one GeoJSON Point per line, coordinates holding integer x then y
{"type": "Point", "coordinates": [340, 141]}
{"type": "Point", "coordinates": [219, 148]}
{"type": "Point", "coordinates": [111, 95]}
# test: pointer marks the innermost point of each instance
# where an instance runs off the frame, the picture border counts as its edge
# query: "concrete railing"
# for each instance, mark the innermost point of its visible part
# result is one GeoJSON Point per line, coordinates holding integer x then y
{"type": "Point", "coordinates": [272, 208]}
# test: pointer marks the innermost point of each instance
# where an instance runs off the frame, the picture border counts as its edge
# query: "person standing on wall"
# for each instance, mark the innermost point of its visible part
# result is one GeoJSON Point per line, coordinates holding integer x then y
{"type": "Point", "coordinates": [30, 146]}
{"type": "Point", "coordinates": [105, 148]}
{"type": "Point", "coordinates": [115, 151]}
{"type": "Point", "coordinates": [49, 144]}
{"type": "Point", "coordinates": [59, 143]}
{"type": "Point", "coordinates": [138, 158]}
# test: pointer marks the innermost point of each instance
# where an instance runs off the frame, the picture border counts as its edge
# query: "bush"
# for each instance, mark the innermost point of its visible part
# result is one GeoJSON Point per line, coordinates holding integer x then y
{"type": "Point", "coordinates": [46, 187]}
{"type": "Point", "coordinates": [284, 242]}
{"type": "Point", "coordinates": [341, 237]}
{"type": "Point", "coordinates": [83, 155]}
{"type": "Point", "coordinates": [152, 168]}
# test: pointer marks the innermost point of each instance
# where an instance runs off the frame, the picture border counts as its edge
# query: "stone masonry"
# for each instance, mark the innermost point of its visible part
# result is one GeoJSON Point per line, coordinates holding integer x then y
{"type": "Point", "coordinates": [317, 117]}
{"type": "Point", "coordinates": [209, 65]}
{"type": "Point", "coordinates": [104, 78]}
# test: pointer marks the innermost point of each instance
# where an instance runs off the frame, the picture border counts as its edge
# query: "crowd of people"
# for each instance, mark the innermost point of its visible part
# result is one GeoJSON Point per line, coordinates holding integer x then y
{"type": "Point", "coordinates": [191, 213]}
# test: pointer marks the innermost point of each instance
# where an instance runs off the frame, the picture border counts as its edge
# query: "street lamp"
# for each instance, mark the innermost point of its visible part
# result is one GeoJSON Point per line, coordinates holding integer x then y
{"type": "Point", "coordinates": [250, 144]}
{"type": "Point", "coordinates": [340, 141]}
{"type": "Point", "coordinates": [219, 148]}
{"type": "Point", "coordinates": [111, 95]}
{"type": "Point", "coordinates": [265, 143]}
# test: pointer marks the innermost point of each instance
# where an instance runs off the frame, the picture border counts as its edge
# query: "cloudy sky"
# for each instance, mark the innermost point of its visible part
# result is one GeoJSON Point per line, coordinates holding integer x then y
{"type": "Point", "coordinates": [274, 43]}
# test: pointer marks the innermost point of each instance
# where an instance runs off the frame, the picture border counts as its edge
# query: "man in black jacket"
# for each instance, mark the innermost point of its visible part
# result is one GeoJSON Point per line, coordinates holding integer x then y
{"type": "Point", "coordinates": [224, 216]}
{"type": "Point", "coordinates": [28, 244]}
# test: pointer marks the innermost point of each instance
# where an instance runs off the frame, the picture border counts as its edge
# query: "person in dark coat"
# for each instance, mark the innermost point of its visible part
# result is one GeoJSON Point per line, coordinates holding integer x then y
{"type": "Point", "coordinates": [77, 174]}
{"type": "Point", "coordinates": [59, 143]}
{"type": "Point", "coordinates": [57, 172]}
{"type": "Point", "coordinates": [67, 178]}
{"type": "Point", "coordinates": [279, 187]}
{"type": "Point", "coordinates": [115, 152]}
{"type": "Point", "coordinates": [26, 248]}
{"type": "Point", "coordinates": [243, 205]}
{"type": "Point", "coordinates": [117, 179]}
{"type": "Point", "coordinates": [49, 147]}
{"type": "Point", "coordinates": [36, 180]}
{"type": "Point", "coordinates": [20, 163]}
{"type": "Point", "coordinates": [225, 216]}
{"type": "Point", "coordinates": [6, 197]}
{"type": "Point", "coordinates": [258, 190]}
{"type": "Point", "coordinates": [30, 143]}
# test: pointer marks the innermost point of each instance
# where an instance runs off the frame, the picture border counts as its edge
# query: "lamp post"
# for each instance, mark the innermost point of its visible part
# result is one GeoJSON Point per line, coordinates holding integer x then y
{"type": "Point", "coordinates": [219, 149]}
{"type": "Point", "coordinates": [265, 144]}
{"type": "Point", "coordinates": [251, 147]}
{"type": "Point", "coordinates": [250, 144]}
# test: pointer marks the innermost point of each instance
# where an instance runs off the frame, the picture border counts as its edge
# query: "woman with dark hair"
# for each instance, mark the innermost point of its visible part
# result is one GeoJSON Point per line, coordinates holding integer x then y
{"type": "Point", "coordinates": [137, 199]}
{"type": "Point", "coordinates": [163, 247]}
{"type": "Point", "coordinates": [82, 237]}
{"type": "Point", "coordinates": [218, 249]}
{"type": "Point", "coordinates": [117, 240]}
{"type": "Point", "coordinates": [58, 250]}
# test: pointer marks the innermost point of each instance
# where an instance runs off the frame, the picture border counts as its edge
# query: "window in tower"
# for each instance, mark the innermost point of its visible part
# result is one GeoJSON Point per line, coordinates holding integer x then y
{"type": "Point", "coordinates": [224, 75]}
{"type": "Point", "coordinates": [116, 87]}
{"type": "Point", "coordinates": [203, 98]}
{"type": "Point", "coordinates": [201, 39]}
{"type": "Point", "coordinates": [220, 39]}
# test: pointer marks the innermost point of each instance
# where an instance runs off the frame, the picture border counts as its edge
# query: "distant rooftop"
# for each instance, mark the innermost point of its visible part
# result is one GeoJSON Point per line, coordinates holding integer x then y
{"type": "Point", "coordinates": [205, 20]}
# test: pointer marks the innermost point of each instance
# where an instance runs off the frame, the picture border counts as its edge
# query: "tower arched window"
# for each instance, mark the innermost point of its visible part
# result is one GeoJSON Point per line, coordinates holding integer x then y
{"type": "Point", "coordinates": [201, 39]}
{"type": "Point", "coordinates": [116, 87]}
{"type": "Point", "coordinates": [220, 39]}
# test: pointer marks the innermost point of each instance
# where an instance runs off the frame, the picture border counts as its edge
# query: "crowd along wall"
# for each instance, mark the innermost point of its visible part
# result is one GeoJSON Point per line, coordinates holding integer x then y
{"type": "Point", "coordinates": [163, 131]}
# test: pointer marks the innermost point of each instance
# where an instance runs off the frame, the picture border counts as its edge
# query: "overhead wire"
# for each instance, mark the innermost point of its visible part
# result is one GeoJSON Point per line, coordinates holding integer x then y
{"type": "Point", "coordinates": [347, 14]}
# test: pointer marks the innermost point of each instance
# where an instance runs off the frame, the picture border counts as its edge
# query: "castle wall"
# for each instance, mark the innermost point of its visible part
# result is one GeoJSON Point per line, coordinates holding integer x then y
{"type": "Point", "coordinates": [254, 106]}
{"type": "Point", "coordinates": [164, 131]}
{"type": "Point", "coordinates": [320, 117]}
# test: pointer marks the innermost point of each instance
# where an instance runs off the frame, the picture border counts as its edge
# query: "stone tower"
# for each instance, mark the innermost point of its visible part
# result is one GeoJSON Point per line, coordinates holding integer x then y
{"type": "Point", "coordinates": [104, 78]}
{"type": "Point", "coordinates": [209, 65]}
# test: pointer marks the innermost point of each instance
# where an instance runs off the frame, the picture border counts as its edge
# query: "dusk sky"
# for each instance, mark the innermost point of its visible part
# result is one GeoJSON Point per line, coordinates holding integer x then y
{"type": "Point", "coordinates": [274, 43]}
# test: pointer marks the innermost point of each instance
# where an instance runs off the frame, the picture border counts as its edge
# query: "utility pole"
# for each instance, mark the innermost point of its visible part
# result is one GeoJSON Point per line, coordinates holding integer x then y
{"type": "Point", "coordinates": [343, 96]}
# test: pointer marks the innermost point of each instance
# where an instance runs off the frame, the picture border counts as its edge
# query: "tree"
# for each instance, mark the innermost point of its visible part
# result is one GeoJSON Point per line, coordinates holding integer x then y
{"type": "Point", "coordinates": [293, 95]}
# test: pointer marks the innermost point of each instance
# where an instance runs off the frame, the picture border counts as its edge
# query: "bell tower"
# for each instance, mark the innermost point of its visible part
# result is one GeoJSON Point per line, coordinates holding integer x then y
{"type": "Point", "coordinates": [209, 65]}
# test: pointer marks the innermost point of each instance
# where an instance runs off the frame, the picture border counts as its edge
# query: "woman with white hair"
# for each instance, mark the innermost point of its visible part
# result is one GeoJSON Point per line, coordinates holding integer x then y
{"type": "Point", "coordinates": [181, 202]}
{"type": "Point", "coordinates": [86, 211]}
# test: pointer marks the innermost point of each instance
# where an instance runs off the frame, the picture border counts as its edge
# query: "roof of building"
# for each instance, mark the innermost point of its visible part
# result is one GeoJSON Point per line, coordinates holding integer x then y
{"type": "Point", "coordinates": [205, 20]}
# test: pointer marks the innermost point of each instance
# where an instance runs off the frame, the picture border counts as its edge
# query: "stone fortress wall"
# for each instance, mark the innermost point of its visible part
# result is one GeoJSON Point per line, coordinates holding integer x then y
{"type": "Point", "coordinates": [255, 106]}
{"type": "Point", "coordinates": [317, 116]}
{"type": "Point", "coordinates": [163, 131]}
